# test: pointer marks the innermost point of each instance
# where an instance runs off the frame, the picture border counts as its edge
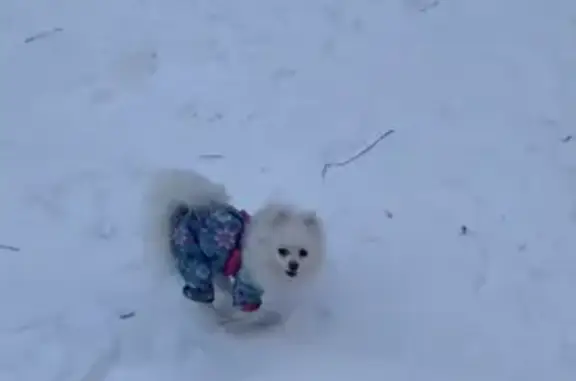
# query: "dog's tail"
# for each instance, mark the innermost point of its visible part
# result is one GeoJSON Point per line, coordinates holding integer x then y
{"type": "Point", "coordinates": [168, 189]}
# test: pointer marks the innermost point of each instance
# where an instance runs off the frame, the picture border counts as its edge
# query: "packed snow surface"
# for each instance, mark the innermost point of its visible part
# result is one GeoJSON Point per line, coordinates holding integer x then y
{"type": "Point", "coordinates": [452, 241]}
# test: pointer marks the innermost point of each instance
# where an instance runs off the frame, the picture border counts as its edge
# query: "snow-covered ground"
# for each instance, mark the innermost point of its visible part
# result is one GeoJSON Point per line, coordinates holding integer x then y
{"type": "Point", "coordinates": [260, 94]}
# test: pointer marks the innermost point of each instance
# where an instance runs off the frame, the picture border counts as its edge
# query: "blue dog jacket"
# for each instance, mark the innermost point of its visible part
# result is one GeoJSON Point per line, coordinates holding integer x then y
{"type": "Point", "coordinates": [206, 241]}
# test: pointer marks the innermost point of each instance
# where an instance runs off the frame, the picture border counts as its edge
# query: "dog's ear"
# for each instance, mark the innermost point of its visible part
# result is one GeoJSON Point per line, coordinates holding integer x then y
{"type": "Point", "coordinates": [311, 220]}
{"type": "Point", "coordinates": [280, 217]}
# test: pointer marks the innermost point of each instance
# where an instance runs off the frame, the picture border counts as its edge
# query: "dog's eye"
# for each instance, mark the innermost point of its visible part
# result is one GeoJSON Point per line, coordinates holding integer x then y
{"type": "Point", "coordinates": [303, 253]}
{"type": "Point", "coordinates": [283, 251]}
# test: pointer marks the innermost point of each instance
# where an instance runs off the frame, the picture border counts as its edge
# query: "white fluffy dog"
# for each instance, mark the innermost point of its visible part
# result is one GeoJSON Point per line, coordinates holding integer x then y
{"type": "Point", "coordinates": [240, 269]}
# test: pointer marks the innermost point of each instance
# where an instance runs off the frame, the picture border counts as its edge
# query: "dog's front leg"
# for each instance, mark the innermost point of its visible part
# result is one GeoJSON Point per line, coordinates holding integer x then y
{"type": "Point", "coordinates": [223, 303]}
{"type": "Point", "coordinates": [223, 283]}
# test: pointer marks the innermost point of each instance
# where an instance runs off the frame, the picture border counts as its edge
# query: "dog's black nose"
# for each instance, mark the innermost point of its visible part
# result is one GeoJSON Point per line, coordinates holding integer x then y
{"type": "Point", "coordinates": [293, 265]}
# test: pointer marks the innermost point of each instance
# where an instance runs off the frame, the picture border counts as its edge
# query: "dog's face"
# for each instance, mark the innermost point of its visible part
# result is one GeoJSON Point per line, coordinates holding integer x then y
{"type": "Point", "coordinates": [287, 243]}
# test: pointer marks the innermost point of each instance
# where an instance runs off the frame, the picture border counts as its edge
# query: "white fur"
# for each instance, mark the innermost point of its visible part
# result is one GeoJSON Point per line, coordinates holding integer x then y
{"type": "Point", "coordinates": [168, 188]}
{"type": "Point", "coordinates": [271, 227]}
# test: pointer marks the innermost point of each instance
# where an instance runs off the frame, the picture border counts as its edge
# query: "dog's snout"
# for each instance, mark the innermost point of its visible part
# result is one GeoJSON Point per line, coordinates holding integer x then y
{"type": "Point", "coordinates": [293, 265]}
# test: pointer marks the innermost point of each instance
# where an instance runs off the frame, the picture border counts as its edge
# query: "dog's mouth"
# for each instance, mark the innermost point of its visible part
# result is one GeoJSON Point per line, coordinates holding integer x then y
{"type": "Point", "coordinates": [291, 273]}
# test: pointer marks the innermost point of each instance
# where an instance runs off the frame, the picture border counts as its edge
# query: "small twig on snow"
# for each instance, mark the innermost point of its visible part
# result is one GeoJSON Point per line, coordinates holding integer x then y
{"type": "Point", "coordinates": [426, 7]}
{"type": "Point", "coordinates": [211, 156]}
{"type": "Point", "coordinates": [127, 315]}
{"type": "Point", "coordinates": [358, 155]}
{"type": "Point", "coordinates": [567, 138]}
{"type": "Point", "coordinates": [9, 248]}
{"type": "Point", "coordinates": [42, 34]}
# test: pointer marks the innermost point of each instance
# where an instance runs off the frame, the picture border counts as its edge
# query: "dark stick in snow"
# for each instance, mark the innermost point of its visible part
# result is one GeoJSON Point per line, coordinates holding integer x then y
{"type": "Point", "coordinates": [426, 7]}
{"type": "Point", "coordinates": [358, 155]}
{"type": "Point", "coordinates": [9, 248]}
{"type": "Point", "coordinates": [211, 156]}
{"type": "Point", "coordinates": [127, 315]}
{"type": "Point", "coordinates": [42, 34]}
